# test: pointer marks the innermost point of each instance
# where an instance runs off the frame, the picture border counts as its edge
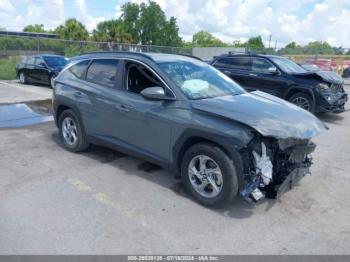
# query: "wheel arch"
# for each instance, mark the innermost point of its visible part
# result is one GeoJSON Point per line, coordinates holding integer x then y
{"type": "Point", "coordinates": [231, 147]}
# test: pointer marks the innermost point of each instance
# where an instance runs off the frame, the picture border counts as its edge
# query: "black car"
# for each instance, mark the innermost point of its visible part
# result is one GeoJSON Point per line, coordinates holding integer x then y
{"type": "Point", "coordinates": [40, 69]}
{"type": "Point", "coordinates": [279, 76]}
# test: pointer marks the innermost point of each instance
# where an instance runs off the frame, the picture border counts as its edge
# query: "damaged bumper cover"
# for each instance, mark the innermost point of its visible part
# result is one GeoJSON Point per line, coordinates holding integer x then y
{"type": "Point", "coordinates": [289, 161]}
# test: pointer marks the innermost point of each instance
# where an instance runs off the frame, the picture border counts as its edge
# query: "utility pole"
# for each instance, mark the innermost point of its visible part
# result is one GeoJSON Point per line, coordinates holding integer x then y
{"type": "Point", "coordinates": [270, 36]}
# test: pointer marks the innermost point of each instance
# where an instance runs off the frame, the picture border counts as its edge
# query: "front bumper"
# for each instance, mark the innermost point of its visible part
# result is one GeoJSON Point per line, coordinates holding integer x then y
{"type": "Point", "coordinates": [337, 105]}
{"type": "Point", "coordinates": [291, 180]}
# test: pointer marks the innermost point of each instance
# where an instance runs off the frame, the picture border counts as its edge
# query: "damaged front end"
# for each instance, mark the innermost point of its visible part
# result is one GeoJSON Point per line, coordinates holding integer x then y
{"type": "Point", "coordinates": [273, 166]}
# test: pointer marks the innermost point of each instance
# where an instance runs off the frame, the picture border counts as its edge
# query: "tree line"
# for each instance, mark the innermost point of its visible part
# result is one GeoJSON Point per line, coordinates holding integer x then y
{"type": "Point", "coordinates": [147, 24]}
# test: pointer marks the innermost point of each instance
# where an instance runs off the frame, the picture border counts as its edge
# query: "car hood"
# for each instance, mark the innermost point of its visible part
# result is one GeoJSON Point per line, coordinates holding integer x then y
{"type": "Point", "coordinates": [326, 76]}
{"type": "Point", "coordinates": [267, 114]}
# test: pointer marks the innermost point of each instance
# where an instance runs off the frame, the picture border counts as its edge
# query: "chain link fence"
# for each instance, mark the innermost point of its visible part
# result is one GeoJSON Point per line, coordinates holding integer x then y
{"type": "Point", "coordinates": [24, 46]}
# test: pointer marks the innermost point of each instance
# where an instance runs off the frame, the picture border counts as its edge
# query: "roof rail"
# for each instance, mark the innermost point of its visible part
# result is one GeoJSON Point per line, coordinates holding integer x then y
{"type": "Point", "coordinates": [118, 52]}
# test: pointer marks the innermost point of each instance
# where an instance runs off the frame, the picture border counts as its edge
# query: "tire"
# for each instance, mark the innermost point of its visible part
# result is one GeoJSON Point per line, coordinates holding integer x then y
{"type": "Point", "coordinates": [23, 78]}
{"type": "Point", "coordinates": [74, 143]}
{"type": "Point", "coordinates": [304, 101]}
{"type": "Point", "coordinates": [227, 183]}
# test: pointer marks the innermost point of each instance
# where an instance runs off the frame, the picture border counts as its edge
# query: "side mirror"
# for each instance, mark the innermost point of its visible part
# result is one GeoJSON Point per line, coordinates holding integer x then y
{"type": "Point", "coordinates": [273, 70]}
{"type": "Point", "coordinates": [42, 64]}
{"type": "Point", "coordinates": [154, 93]}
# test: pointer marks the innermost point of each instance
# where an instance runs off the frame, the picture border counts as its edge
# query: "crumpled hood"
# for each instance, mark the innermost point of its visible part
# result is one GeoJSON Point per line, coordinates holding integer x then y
{"type": "Point", "coordinates": [326, 76]}
{"type": "Point", "coordinates": [267, 114]}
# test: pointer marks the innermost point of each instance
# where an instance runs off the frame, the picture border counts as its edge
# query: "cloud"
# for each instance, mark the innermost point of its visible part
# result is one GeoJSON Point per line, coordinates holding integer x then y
{"type": "Point", "coordinates": [293, 20]}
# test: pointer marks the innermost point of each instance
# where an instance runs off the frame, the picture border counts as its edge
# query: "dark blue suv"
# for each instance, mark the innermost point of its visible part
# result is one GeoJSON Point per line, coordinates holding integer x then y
{"type": "Point", "coordinates": [279, 76]}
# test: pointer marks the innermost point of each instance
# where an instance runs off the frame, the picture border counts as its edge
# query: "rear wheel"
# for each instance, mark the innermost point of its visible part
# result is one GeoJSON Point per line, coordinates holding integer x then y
{"type": "Point", "coordinates": [72, 132]}
{"type": "Point", "coordinates": [302, 100]}
{"type": "Point", "coordinates": [23, 78]}
{"type": "Point", "coordinates": [210, 175]}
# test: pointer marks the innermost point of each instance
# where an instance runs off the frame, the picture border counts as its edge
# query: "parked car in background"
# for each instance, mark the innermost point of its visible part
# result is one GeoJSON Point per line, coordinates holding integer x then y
{"type": "Point", "coordinates": [40, 69]}
{"type": "Point", "coordinates": [186, 116]}
{"type": "Point", "coordinates": [279, 76]}
{"type": "Point", "coordinates": [346, 72]}
{"type": "Point", "coordinates": [325, 64]}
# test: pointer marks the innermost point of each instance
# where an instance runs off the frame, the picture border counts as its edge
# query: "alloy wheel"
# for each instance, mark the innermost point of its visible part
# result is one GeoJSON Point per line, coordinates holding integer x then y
{"type": "Point", "coordinates": [302, 102]}
{"type": "Point", "coordinates": [69, 131]}
{"type": "Point", "coordinates": [205, 176]}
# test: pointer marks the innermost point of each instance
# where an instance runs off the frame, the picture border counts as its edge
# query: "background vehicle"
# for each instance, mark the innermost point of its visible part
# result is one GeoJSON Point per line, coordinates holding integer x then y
{"type": "Point", "coordinates": [40, 69]}
{"type": "Point", "coordinates": [279, 76]}
{"type": "Point", "coordinates": [186, 116]}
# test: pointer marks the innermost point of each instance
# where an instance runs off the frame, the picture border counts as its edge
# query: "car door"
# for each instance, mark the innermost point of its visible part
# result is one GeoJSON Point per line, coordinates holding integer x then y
{"type": "Point", "coordinates": [40, 72]}
{"type": "Point", "coordinates": [141, 124]}
{"type": "Point", "coordinates": [29, 68]}
{"type": "Point", "coordinates": [266, 77]}
{"type": "Point", "coordinates": [237, 68]}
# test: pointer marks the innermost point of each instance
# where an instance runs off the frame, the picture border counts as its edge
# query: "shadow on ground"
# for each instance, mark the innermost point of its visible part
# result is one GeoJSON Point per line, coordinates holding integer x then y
{"type": "Point", "coordinates": [239, 209]}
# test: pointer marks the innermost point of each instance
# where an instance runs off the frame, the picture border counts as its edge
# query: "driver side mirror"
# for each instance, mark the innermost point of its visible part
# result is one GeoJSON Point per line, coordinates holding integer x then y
{"type": "Point", "coordinates": [42, 64]}
{"type": "Point", "coordinates": [155, 93]}
{"type": "Point", "coordinates": [273, 70]}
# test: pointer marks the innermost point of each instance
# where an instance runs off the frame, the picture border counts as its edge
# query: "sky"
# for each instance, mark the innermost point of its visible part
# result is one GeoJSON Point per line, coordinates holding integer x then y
{"type": "Point", "coordinates": [285, 20]}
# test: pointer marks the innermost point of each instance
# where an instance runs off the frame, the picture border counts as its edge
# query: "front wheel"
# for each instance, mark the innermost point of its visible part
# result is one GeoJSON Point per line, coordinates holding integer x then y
{"type": "Point", "coordinates": [72, 132]}
{"type": "Point", "coordinates": [210, 175]}
{"type": "Point", "coordinates": [302, 100]}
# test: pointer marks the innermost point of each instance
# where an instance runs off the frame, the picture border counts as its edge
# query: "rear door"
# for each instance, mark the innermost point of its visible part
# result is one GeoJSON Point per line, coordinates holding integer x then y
{"type": "Point", "coordinates": [29, 68]}
{"type": "Point", "coordinates": [237, 68]}
{"type": "Point", "coordinates": [263, 79]}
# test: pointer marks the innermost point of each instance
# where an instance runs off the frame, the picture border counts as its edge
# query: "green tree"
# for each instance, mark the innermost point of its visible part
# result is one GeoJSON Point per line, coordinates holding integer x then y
{"type": "Point", "coordinates": [206, 39]}
{"type": "Point", "coordinates": [130, 17]}
{"type": "Point", "coordinates": [34, 28]}
{"type": "Point", "coordinates": [255, 43]}
{"type": "Point", "coordinates": [319, 47]}
{"type": "Point", "coordinates": [72, 29]}
{"type": "Point", "coordinates": [112, 31]}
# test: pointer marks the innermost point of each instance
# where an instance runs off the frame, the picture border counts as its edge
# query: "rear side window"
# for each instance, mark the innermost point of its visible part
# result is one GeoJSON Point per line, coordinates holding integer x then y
{"type": "Point", "coordinates": [241, 63]}
{"type": "Point", "coordinates": [103, 72]}
{"type": "Point", "coordinates": [78, 70]}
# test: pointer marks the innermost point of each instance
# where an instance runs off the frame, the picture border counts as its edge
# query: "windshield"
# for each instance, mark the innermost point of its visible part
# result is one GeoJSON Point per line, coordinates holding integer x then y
{"type": "Point", "coordinates": [198, 80]}
{"type": "Point", "coordinates": [55, 61]}
{"type": "Point", "coordinates": [288, 66]}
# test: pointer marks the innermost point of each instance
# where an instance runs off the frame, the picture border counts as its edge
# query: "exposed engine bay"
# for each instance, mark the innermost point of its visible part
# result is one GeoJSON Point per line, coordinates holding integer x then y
{"type": "Point", "coordinates": [273, 166]}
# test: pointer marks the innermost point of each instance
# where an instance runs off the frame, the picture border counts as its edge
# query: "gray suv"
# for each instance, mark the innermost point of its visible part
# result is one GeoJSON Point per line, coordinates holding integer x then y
{"type": "Point", "coordinates": [186, 116]}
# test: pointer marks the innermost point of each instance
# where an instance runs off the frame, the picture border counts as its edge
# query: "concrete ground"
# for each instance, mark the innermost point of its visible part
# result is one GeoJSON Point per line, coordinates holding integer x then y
{"type": "Point", "coordinates": [11, 91]}
{"type": "Point", "coordinates": [104, 202]}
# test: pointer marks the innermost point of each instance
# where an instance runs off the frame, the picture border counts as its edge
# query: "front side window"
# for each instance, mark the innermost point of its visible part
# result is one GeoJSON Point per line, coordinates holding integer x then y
{"type": "Point", "coordinates": [198, 80]}
{"type": "Point", "coordinates": [288, 66]}
{"type": "Point", "coordinates": [103, 72]}
{"type": "Point", "coordinates": [140, 77]}
{"type": "Point", "coordinates": [39, 61]}
{"type": "Point", "coordinates": [261, 65]}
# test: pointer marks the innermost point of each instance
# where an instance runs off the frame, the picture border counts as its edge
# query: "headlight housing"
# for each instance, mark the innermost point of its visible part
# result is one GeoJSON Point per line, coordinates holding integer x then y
{"type": "Point", "coordinates": [323, 86]}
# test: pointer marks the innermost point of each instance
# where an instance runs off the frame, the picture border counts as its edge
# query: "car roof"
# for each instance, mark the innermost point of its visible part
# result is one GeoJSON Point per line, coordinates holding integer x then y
{"type": "Point", "coordinates": [248, 55]}
{"type": "Point", "coordinates": [155, 57]}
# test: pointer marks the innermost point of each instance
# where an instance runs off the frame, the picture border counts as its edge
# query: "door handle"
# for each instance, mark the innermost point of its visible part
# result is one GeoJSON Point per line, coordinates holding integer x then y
{"type": "Point", "coordinates": [251, 74]}
{"type": "Point", "coordinates": [78, 94]}
{"type": "Point", "coordinates": [227, 72]}
{"type": "Point", "coordinates": [123, 108]}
